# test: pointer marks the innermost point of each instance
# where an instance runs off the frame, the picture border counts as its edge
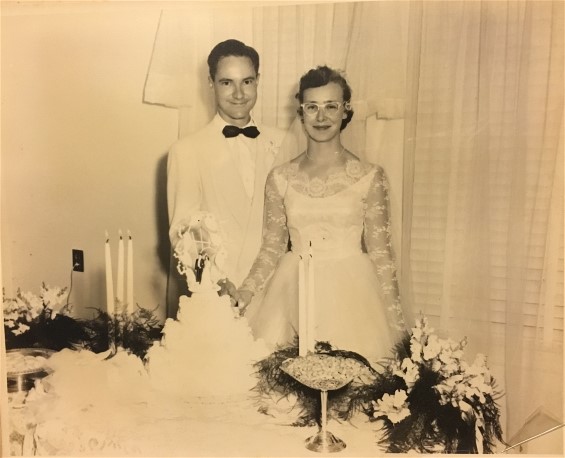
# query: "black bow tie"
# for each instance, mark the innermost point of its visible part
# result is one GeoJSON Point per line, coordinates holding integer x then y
{"type": "Point", "coordinates": [234, 131]}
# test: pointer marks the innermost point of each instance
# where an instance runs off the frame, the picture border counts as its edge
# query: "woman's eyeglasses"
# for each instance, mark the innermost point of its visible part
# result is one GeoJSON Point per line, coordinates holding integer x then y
{"type": "Point", "coordinates": [330, 108]}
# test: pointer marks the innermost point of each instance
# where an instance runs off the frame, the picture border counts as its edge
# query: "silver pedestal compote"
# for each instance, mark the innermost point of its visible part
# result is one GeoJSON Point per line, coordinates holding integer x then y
{"type": "Point", "coordinates": [323, 372]}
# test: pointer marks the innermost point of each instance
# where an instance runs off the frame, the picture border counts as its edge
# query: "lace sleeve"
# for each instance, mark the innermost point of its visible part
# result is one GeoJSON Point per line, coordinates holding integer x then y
{"type": "Point", "coordinates": [377, 238]}
{"type": "Point", "coordinates": [275, 237]}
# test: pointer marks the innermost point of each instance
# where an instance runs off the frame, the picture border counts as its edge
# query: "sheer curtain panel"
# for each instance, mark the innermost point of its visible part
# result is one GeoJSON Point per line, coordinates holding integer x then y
{"type": "Point", "coordinates": [485, 155]}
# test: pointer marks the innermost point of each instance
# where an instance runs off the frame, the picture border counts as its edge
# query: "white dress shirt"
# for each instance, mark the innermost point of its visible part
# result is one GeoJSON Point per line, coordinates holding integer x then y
{"type": "Point", "coordinates": [244, 153]}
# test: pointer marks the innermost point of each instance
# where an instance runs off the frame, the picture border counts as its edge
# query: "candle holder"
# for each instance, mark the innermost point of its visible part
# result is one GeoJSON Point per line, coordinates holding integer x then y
{"type": "Point", "coordinates": [112, 335]}
{"type": "Point", "coordinates": [324, 373]}
{"type": "Point", "coordinates": [111, 338]}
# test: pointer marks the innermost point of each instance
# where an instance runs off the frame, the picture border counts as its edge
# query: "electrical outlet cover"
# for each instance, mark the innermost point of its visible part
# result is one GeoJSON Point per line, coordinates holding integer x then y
{"type": "Point", "coordinates": [78, 261]}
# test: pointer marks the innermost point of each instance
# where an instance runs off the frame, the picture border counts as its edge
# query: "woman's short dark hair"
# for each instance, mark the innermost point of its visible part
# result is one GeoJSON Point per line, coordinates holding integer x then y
{"type": "Point", "coordinates": [320, 76]}
{"type": "Point", "coordinates": [231, 48]}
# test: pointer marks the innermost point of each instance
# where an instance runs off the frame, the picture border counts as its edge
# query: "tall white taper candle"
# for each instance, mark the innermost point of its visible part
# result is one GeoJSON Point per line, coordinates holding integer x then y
{"type": "Point", "coordinates": [121, 278]}
{"type": "Point", "coordinates": [109, 279]}
{"type": "Point", "coordinates": [129, 288]}
{"type": "Point", "coordinates": [311, 301]}
{"type": "Point", "coordinates": [302, 314]}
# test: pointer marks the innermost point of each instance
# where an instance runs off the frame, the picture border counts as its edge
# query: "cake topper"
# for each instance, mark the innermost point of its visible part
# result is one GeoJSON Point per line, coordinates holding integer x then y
{"type": "Point", "coordinates": [200, 252]}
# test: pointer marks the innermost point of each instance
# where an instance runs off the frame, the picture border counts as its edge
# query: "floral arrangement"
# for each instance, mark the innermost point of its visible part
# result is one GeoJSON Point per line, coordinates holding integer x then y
{"type": "Point", "coordinates": [39, 320]}
{"type": "Point", "coordinates": [427, 397]}
{"type": "Point", "coordinates": [430, 399]}
{"type": "Point", "coordinates": [45, 321]}
{"type": "Point", "coordinates": [26, 309]}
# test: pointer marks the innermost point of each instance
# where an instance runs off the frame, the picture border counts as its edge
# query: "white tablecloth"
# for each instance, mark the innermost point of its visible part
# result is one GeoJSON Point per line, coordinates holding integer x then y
{"type": "Point", "coordinates": [177, 434]}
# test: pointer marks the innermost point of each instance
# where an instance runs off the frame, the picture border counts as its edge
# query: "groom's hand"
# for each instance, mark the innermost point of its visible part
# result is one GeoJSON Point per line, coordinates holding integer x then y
{"type": "Point", "coordinates": [243, 298]}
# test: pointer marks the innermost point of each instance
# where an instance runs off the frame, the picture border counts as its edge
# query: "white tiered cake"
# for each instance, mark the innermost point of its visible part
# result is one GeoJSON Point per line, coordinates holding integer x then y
{"type": "Point", "coordinates": [207, 350]}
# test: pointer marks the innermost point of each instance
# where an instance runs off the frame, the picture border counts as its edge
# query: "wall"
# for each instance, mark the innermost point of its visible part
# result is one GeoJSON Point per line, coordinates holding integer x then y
{"type": "Point", "coordinates": [81, 153]}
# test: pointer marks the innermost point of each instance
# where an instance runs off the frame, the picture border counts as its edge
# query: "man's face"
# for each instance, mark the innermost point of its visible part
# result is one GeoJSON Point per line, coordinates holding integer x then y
{"type": "Point", "coordinates": [235, 88]}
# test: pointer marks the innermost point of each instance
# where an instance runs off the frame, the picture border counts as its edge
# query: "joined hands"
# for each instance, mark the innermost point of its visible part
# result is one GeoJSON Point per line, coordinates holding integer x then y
{"type": "Point", "coordinates": [239, 298]}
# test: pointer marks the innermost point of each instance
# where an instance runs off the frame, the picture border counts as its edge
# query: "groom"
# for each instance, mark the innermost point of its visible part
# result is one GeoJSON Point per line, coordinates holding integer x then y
{"type": "Point", "coordinates": [222, 168]}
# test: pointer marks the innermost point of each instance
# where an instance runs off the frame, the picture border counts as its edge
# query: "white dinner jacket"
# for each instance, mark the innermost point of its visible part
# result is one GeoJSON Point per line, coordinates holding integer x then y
{"type": "Point", "coordinates": [202, 174]}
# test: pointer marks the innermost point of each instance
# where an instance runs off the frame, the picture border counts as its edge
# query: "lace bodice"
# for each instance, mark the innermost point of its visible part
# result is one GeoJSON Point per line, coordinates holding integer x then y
{"type": "Point", "coordinates": [344, 215]}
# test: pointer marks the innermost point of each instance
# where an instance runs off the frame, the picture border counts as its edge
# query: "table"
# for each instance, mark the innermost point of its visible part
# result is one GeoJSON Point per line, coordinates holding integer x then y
{"type": "Point", "coordinates": [185, 430]}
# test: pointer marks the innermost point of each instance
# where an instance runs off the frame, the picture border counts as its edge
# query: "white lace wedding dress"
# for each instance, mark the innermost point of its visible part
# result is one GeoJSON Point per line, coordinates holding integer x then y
{"type": "Point", "coordinates": [345, 218]}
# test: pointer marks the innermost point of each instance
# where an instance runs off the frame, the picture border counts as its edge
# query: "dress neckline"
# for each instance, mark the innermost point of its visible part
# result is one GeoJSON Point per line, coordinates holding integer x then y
{"type": "Point", "coordinates": [336, 182]}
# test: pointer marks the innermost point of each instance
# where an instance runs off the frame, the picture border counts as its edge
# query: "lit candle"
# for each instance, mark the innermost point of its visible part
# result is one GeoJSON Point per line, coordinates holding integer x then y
{"type": "Point", "coordinates": [109, 283]}
{"type": "Point", "coordinates": [130, 274]}
{"type": "Point", "coordinates": [302, 337]}
{"type": "Point", "coordinates": [120, 294]}
{"type": "Point", "coordinates": [311, 307]}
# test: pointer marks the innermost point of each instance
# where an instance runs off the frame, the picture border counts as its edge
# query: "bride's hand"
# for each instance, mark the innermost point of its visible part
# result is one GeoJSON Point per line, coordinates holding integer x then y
{"type": "Point", "coordinates": [243, 298]}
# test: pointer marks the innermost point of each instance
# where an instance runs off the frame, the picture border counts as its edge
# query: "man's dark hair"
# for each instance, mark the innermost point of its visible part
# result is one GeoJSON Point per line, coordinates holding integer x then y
{"type": "Point", "coordinates": [320, 76]}
{"type": "Point", "coordinates": [231, 48]}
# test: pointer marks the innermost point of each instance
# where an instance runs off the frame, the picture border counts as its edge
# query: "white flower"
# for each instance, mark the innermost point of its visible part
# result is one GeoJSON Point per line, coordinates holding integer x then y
{"type": "Point", "coordinates": [53, 299]}
{"type": "Point", "coordinates": [432, 347]}
{"type": "Point", "coordinates": [416, 333]}
{"type": "Point", "coordinates": [31, 302]}
{"type": "Point", "coordinates": [51, 296]}
{"type": "Point", "coordinates": [21, 329]}
{"type": "Point", "coordinates": [394, 406]}
{"type": "Point", "coordinates": [449, 367]}
{"type": "Point", "coordinates": [436, 365]}
{"type": "Point", "coordinates": [451, 390]}
{"type": "Point", "coordinates": [422, 327]}
{"type": "Point", "coordinates": [478, 387]}
{"type": "Point", "coordinates": [420, 333]}
{"type": "Point", "coordinates": [466, 410]}
{"type": "Point", "coordinates": [272, 148]}
{"type": "Point", "coordinates": [450, 356]}
{"type": "Point", "coordinates": [409, 371]}
{"type": "Point", "coordinates": [416, 351]}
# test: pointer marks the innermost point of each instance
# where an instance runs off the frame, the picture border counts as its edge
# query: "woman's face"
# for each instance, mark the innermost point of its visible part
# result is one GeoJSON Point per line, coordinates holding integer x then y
{"type": "Point", "coordinates": [324, 124]}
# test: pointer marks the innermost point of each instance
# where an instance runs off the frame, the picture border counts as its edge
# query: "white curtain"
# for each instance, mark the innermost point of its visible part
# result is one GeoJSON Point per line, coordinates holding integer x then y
{"type": "Point", "coordinates": [485, 156]}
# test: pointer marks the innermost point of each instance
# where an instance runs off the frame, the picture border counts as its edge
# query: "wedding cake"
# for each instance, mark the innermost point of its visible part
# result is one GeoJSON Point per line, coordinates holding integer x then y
{"type": "Point", "coordinates": [207, 350]}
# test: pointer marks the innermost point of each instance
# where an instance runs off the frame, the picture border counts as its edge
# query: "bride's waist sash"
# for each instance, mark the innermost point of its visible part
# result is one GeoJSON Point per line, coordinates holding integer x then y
{"type": "Point", "coordinates": [326, 242]}
{"type": "Point", "coordinates": [331, 253]}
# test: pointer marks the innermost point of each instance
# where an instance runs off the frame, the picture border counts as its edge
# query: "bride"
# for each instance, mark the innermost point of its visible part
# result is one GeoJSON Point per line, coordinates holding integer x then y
{"type": "Point", "coordinates": [329, 200]}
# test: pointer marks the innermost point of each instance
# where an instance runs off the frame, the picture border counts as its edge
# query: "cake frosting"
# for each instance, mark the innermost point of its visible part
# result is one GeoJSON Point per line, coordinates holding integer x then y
{"type": "Point", "coordinates": [207, 350]}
